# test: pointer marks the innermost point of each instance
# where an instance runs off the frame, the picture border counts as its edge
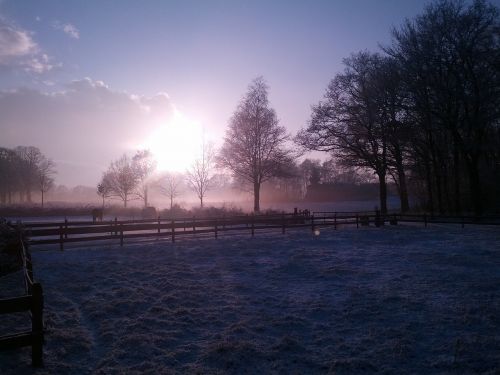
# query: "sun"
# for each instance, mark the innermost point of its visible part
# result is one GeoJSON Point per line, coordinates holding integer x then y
{"type": "Point", "coordinates": [175, 143]}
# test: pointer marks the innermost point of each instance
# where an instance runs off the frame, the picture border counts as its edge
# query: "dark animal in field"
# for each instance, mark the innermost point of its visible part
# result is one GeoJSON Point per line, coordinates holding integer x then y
{"type": "Point", "coordinates": [97, 214]}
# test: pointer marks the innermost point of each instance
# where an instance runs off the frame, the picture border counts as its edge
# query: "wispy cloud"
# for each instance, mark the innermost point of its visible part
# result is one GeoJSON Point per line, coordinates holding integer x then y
{"type": "Point", "coordinates": [14, 42]}
{"type": "Point", "coordinates": [18, 49]}
{"type": "Point", "coordinates": [67, 28]}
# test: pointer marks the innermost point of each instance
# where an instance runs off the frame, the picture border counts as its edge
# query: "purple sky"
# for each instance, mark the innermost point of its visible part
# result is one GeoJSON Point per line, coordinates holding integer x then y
{"type": "Point", "coordinates": [86, 81]}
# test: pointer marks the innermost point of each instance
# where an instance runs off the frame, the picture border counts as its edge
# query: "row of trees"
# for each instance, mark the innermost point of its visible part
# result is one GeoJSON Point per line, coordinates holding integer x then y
{"type": "Point", "coordinates": [24, 170]}
{"type": "Point", "coordinates": [132, 178]}
{"type": "Point", "coordinates": [424, 110]}
{"type": "Point", "coordinates": [253, 150]}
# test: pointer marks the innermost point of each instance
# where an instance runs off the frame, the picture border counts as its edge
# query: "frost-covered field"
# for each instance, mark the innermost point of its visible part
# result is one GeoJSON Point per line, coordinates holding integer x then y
{"type": "Point", "coordinates": [394, 300]}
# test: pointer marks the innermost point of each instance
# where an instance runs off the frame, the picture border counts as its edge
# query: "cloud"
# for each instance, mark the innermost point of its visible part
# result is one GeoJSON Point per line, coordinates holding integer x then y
{"type": "Point", "coordinates": [19, 50]}
{"type": "Point", "coordinates": [67, 28]}
{"type": "Point", "coordinates": [14, 42]}
{"type": "Point", "coordinates": [83, 127]}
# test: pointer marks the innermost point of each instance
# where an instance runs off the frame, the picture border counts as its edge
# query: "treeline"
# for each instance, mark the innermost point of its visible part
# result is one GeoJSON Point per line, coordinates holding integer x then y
{"type": "Point", "coordinates": [24, 170]}
{"type": "Point", "coordinates": [424, 111]}
{"type": "Point", "coordinates": [132, 178]}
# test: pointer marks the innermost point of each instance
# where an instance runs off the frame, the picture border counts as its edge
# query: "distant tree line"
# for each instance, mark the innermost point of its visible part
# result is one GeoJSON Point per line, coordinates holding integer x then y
{"type": "Point", "coordinates": [423, 112]}
{"type": "Point", "coordinates": [24, 170]}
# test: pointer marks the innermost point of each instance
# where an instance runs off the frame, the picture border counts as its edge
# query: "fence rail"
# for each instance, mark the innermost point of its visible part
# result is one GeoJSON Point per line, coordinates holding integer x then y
{"type": "Point", "coordinates": [32, 301]}
{"type": "Point", "coordinates": [69, 232]}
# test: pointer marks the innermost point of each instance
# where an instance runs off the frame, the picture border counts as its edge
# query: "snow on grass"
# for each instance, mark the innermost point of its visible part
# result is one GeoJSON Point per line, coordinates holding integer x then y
{"type": "Point", "coordinates": [394, 300]}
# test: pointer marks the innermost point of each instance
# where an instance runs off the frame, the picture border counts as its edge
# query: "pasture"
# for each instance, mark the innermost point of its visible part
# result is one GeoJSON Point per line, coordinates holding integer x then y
{"type": "Point", "coordinates": [403, 299]}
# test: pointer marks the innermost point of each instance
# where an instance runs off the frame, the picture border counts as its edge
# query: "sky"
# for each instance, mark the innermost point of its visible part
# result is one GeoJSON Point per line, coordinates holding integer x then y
{"type": "Point", "coordinates": [86, 81]}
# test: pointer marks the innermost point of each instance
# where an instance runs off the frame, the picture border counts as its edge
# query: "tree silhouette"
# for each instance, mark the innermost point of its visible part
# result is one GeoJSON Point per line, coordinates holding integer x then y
{"type": "Point", "coordinates": [45, 176]}
{"type": "Point", "coordinates": [254, 148]}
{"type": "Point", "coordinates": [170, 185]}
{"type": "Point", "coordinates": [200, 175]}
{"type": "Point", "coordinates": [123, 179]}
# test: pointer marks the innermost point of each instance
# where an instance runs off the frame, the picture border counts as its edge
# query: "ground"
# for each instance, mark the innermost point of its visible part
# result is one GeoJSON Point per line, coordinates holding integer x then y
{"type": "Point", "coordinates": [396, 300]}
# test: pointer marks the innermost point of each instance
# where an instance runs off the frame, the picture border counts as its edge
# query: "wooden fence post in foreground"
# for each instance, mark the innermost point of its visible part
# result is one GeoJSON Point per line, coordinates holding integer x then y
{"type": "Point", "coordinates": [253, 225]}
{"type": "Point", "coordinates": [215, 228]}
{"type": "Point", "coordinates": [121, 234]}
{"type": "Point", "coordinates": [312, 224]}
{"type": "Point", "coordinates": [158, 224]}
{"type": "Point", "coordinates": [37, 325]}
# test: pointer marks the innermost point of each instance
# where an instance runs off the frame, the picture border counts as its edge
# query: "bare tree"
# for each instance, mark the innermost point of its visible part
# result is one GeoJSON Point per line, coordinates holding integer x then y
{"type": "Point", "coordinates": [45, 176]}
{"type": "Point", "coordinates": [29, 158]}
{"type": "Point", "coordinates": [348, 123]}
{"type": "Point", "coordinates": [105, 187]}
{"type": "Point", "coordinates": [449, 60]}
{"type": "Point", "coordinates": [123, 179]}
{"type": "Point", "coordinates": [170, 185]}
{"type": "Point", "coordinates": [9, 170]}
{"type": "Point", "coordinates": [144, 165]}
{"type": "Point", "coordinates": [199, 176]}
{"type": "Point", "coordinates": [254, 146]}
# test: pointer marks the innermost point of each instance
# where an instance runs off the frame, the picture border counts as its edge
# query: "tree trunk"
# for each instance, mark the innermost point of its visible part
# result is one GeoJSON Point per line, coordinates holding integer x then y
{"type": "Point", "coordinates": [103, 202]}
{"type": "Point", "coordinates": [403, 191]}
{"type": "Point", "coordinates": [383, 192]}
{"type": "Point", "coordinates": [146, 196]}
{"type": "Point", "coordinates": [171, 202]}
{"type": "Point", "coordinates": [125, 202]}
{"type": "Point", "coordinates": [456, 180]}
{"type": "Point", "coordinates": [42, 199]}
{"type": "Point", "coordinates": [256, 197]}
{"type": "Point", "coordinates": [201, 201]}
{"type": "Point", "coordinates": [475, 187]}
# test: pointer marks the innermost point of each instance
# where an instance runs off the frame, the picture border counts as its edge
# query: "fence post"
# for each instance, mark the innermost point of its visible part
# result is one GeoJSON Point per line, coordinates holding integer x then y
{"type": "Point", "coordinates": [335, 221]}
{"type": "Point", "coordinates": [65, 228]}
{"type": "Point", "coordinates": [158, 224]}
{"type": "Point", "coordinates": [312, 224]}
{"type": "Point", "coordinates": [173, 231]}
{"type": "Point", "coordinates": [61, 238]}
{"type": "Point", "coordinates": [29, 268]}
{"type": "Point", "coordinates": [37, 325]}
{"type": "Point", "coordinates": [283, 223]}
{"type": "Point", "coordinates": [215, 228]}
{"type": "Point", "coordinates": [116, 225]}
{"type": "Point", "coordinates": [357, 221]}
{"type": "Point", "coordinates": [121, 234]}
{"type": "Point", "coordinates": [194, 224]}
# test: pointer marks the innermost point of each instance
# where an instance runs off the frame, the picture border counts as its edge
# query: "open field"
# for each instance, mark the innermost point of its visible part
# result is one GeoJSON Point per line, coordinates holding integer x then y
{"type": "Point", "coordinates": [403, 299]}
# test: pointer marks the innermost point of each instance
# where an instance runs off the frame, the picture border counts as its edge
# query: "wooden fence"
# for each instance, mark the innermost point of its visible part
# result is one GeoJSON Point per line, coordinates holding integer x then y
{"type": "Point", "coordinates": [68, 232]}
{"type": "Point", "coordinates": [32, 301]}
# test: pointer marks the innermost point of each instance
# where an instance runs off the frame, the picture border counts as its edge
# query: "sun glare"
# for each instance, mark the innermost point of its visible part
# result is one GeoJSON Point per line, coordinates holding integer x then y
{"type": "Point", "coordinates": [175, 143]}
